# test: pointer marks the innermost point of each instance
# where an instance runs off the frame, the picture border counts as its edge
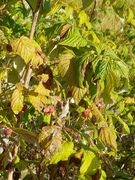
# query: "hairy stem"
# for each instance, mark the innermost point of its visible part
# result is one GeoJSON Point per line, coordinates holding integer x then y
{"type": "Point", "coordinates": [33, 27]}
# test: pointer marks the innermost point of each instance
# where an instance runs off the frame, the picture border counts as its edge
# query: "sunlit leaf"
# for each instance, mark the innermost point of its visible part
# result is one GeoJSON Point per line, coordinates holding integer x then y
{"type": "Point", "coordinates": [38, 100]}
{"type": "Point", "coordinates": [130, 15]}
{"type": "Point", "coordinates": [84, 19]}
{"type": "Point", "coordinates": [74, 39]}
{"type": "Point", "coordinates": [41, 89]}
{"type": "Point", "coordinates": [24, 47]}
{"type": "Point", "coordinates": [66, 151]}
{"type": "Point", "coordinates": [90, 163]}
{"type": "Point", "coordinates": [17, 101]}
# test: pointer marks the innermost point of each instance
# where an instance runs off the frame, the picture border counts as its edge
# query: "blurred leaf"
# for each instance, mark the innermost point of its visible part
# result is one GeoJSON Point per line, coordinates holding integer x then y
{"type": "Point", "coordinates": [50, 139]}
{"type": "Point", "coordinates": [32, 4]}
{"type": "Point", "coordinates": [107, 137]}
{"type": "Point", "coordinates": [86, 3]}
{"type": "Point", "coordinates": [66, 151]}
{"type": "Point", "coordinates": [74, 39]}
{"type": "Point", "coordinates": [130, 15]}
{"type": "Point", "coordinates": [124, 125]}
{"type": "Point", "coordinates": [24, 47]}
{"type": "Point", "coordinates": [27, 135]}
{"type": "Point", "coordinates": [89, 164]}
{"type": "Point", "coordinates": [84, 19]}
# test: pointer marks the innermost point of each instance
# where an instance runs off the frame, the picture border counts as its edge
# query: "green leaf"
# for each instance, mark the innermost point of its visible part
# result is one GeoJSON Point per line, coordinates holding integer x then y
{"type": "Point", "coordinates": [124, 125]}
{"type": "Point", "coordinates": [24, 47]}
{"type": "Point", "coordinates": [121, 67]}
{"type": "Point", "coordinates": [86, 3]}
{"type": "Point", "coordinates": [112, 81]}
{"type": "Point", "coordinates": [89, 164]}
{"type": "Point", "coordinates": [17, 100]}
{"type": "Point", "coordinates": [101, 67]}
{"type": "Point", "coordinates": [74, 39]}
{"type": "Point", "coordinates": [66, 151]}
{"type": "Point", "coordinates": [27, 135]}
{"type": "Point", "coordinates": [32, 4]}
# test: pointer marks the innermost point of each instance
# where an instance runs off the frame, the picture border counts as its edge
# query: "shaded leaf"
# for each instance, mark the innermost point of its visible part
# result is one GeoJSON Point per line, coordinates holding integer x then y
{"type": "Point", "coordinates": [50, 139]}
{"type": "Point", "coordinates": [89, 164]}
{"type": "Point", "coordinates": [66, 151]}
{"type": "Point", "coordinates": [86, 3]}
{"type": "Point", "coordinates": [78, 93]}
{"type": "Point", "coordinates": [27, 135]}
{"type": "Point", "coordinates": [108, 137]}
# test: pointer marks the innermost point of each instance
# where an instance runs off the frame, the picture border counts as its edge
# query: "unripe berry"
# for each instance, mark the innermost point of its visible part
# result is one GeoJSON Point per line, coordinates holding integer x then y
{"type": "Point", "coordinates": [24, 108]}
{"type": "Point", "coordinates": [9, 48]}
{"type": "Point", "coordinates": [85, 113]}
{"type": "Point", "coordinates": [8, 132]}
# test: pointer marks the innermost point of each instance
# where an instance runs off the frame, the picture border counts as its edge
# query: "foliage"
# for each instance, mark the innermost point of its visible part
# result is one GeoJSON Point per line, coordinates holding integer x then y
{"type": "Point", "coordinates": [67, 89]}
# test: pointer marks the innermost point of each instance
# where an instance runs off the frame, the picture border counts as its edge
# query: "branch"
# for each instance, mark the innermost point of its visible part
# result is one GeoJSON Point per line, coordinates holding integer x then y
{"type": "Point", "coordinates": [33, 27]}
{"type": "Point", "coordinates": [11, 166]}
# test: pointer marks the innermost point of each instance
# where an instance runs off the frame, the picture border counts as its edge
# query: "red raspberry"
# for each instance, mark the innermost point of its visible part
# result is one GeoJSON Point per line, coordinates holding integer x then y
{"type": "Point", "coordinates": [8, 132]}
{"type": "Point", "coordinates": [85, 113]}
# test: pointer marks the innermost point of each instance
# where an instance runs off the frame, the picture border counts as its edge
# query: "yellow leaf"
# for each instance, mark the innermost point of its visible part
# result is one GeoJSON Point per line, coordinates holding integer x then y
{"type": "Point", "coordinates": [17, 101]}
{"type": "Point", "coordinates": [84, 19]}
{"type": "Point", "coordinates": [42, 90]}
{"type": "Point", "coordinates": [36, 60]}
{"type": "Point", "coordinates": [24, 47]}
{"type": "Point", "coordinates": [107, 137]}
{"type": "Point", "coordinates": [133, 22]}
{"type": "Point", "coordinates": [38, 100]}
{"type": "Point", "coordinates": [130, 15]}
{"type": "Point", "coordinates": [129, 100]}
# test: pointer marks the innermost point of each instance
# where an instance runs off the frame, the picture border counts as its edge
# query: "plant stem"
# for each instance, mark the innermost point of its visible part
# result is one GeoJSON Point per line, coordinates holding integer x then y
{"type": "Point", "coordinates": [32, 31]}
{"type": "Point", "coordinates": [11, 166]}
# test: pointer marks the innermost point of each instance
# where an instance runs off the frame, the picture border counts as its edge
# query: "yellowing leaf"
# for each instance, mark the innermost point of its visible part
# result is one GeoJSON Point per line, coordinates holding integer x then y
{"type": "Point", "coordinates": [50, 139]}
{"type": "Point", "coordinates": [89, 164]}
{"type": "Point", "coordinates": [107, 137]}
{"type": "Point", "coordinates": [41, 89]}
{"type": "Point", "coordinates": [36, 60]}
{"type": "Point", "coordinates": [133, 22]}
{"type": "Point", "coordinates": [38, 100]}
{"type": "Point", "coordinates": [17, 101]}
{"type": "Point", "coordinates": [130, 15]}
{"type": "Point", "coordinates": [66, 151]}
{"type": "Point", "coordinates": [24, 47]}
{"type": "Point", "coordinates": [43, 77]}
{"type": "Point", "coordinates": [129, 100]}
{"type": "Point", "coordinates": [78, 93]}
{"type": "Point", "coordinates": [84, 19]}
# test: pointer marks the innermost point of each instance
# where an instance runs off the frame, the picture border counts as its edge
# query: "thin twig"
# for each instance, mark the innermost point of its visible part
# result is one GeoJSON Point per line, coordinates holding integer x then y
{"type": "Point", "coordinates": [33, 27]}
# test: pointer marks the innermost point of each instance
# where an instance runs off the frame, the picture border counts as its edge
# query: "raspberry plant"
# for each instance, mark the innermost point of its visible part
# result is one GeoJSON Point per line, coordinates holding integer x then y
{"type": "Point", "coordinates": [59, 59]}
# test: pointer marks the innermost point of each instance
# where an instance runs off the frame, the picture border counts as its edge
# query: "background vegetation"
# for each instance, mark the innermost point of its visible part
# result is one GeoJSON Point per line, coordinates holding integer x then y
{"type": "Point", "coordinates": [67, 89]}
